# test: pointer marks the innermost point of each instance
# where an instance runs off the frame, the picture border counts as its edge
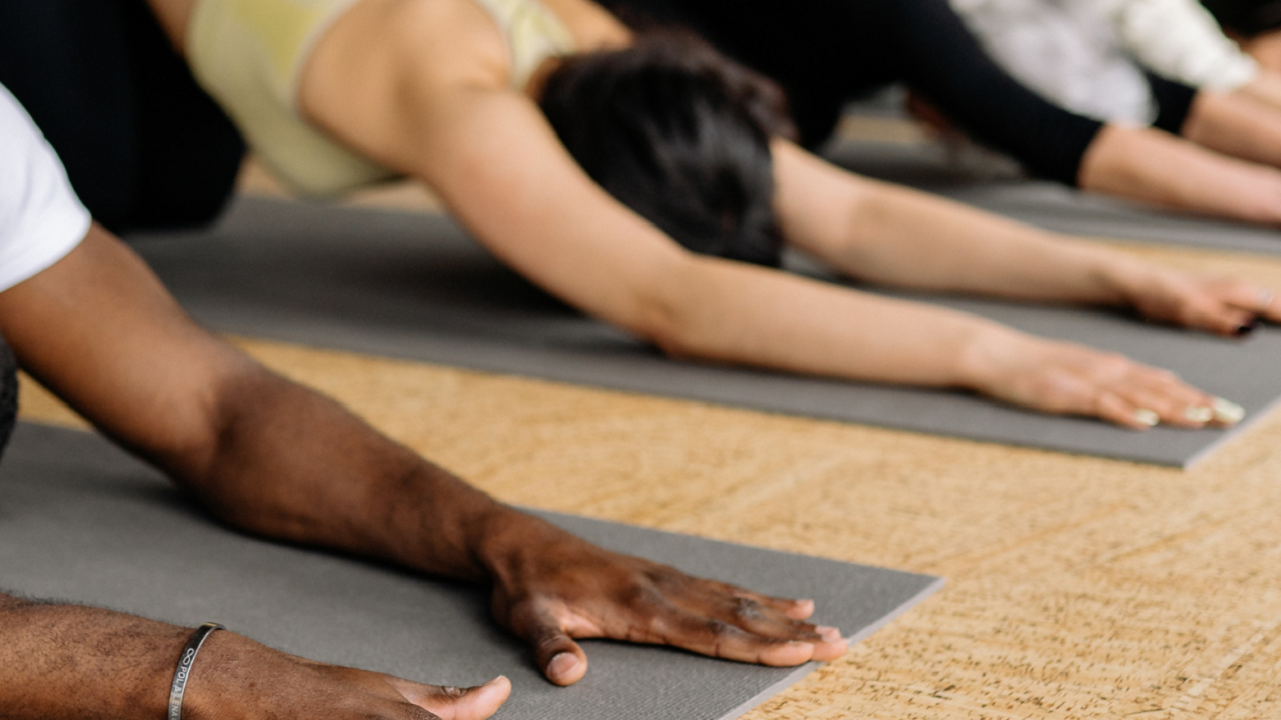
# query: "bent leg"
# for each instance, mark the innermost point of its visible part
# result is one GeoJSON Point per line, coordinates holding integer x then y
{"type": "Point", "coordinates": [815, 49]}
{"type": "Point", "coordinates": [189, 152]}
{"type": "Point", "coordinates": [65, 62]}
{"type": "Point", "coordinates": [825, 52]}
{"type": "Point", "coordinates": [941, 59]}
{"type": "Point", "coordinates": [144, 147]}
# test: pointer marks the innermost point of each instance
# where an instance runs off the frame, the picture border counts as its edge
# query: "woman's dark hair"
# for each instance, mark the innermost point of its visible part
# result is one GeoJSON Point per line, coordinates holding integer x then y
{"type": "Point", "coordinates": [679, 134]}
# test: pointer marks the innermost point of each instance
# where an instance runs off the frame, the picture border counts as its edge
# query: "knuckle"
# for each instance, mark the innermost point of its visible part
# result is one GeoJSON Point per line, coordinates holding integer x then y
{"type": "Point", "coordinates": [646, 595]}
{"type": "Point", "coordinates": [747, 610]}
{"type": "Point", "coordinates": [720, 628]}
{"type": "Point", "coordinates": [547, 639]}
{"type": "Point", "coordinates": [451, 692]}
{"type": "Point", "coordinates": [667, 578]}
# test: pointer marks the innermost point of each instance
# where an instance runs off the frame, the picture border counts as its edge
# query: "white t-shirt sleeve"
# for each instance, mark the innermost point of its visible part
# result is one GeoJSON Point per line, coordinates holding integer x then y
{"type": "Point", "coordinates": [1181, 40]}
{"type": "Point", "coordinates": [41, 220]}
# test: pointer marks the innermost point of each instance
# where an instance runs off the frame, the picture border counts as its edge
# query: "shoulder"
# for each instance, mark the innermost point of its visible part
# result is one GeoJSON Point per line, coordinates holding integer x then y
{"type": "Point", "coordinates": [442, 41]}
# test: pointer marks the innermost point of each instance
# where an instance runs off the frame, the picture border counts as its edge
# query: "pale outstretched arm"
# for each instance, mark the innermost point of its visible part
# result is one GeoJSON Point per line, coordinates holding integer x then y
{"type": "Point", "coordinates": [1156, 167]}
{"type": "Point", "coordinates": [896, 236]}
{"type": "Point", "coordinates": [499, 166]}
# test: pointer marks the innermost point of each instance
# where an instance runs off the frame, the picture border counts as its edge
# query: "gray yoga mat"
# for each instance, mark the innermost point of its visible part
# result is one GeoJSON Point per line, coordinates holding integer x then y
{"type": "Point", "coordinates": [82, 521]}
{"type": "Point", "coordinates": [416, 287]}
{"type": "Point", "coordinates": [993, 184]}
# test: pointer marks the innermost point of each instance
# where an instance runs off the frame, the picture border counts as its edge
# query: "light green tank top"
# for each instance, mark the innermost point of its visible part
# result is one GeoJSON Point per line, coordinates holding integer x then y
{"type": "Point", "coordinates": [249, 55]}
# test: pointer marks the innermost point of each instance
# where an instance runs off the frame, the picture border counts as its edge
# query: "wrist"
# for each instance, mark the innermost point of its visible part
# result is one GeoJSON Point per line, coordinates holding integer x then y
{"type": "Point", "coordinates": [72, 661]}
{"type": "Point", "coordinates": [510, 539]}
{"type": "Point", "coordinates": [207, 696]}
{"type": "Point", "coordinates": [1119, 280]}
{"type": "Point", "coordinates": [986, 354]}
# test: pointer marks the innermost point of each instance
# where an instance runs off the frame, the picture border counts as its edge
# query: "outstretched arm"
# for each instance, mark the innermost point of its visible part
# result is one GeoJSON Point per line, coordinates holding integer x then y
{"type": "Point", "coordinates": [274, 458]}
{"type": "Point", "coordinates": [497, 163]}
{"type": "Point", "coordinates": [896, 236]}
{"type": "Point", "coordinates": [65, 662]}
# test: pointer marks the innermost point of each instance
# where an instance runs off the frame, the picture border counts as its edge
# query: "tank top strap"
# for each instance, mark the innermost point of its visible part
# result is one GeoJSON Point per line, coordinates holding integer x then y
{"type": "Point", "coordinates": [532, 32]}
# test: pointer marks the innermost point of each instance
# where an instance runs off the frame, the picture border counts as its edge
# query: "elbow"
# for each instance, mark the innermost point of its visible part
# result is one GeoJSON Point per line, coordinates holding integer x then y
{"type": "Point", "coordinates": [664, 326]}
{"type": "Point", "coordinates": [195, 457]}
{"type": "Point", "coordinates": [669, 317]}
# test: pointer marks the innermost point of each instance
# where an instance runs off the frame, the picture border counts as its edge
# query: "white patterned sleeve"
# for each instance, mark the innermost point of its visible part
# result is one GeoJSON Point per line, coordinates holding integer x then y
{"type": "Point", "coordinates": [1181, 40]}
{"type": "Point", "coordinates": [41, 220]}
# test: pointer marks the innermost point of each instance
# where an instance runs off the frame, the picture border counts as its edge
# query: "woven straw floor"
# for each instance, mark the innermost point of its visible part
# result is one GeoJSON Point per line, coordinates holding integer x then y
{"type": "Point", "coordinates": [1077, 587]}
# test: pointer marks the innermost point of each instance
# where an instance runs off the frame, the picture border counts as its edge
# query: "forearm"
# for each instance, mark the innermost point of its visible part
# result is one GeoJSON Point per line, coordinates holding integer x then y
{"type": "Point", "coordinates": [906, 238]}
{"type": "Point", "coordinates": [264, 453]}
{"type": "Point", "coordinates": [897, 236]}
{"type": "Point", "coordinates": [1151, 166]}
{"type": "Point", "coordinates": [1265, 89]}
{"type": "Point", "coordinates": [731, 312]}
{"type": "Point", "coordinates": [1235, 126]}
{"type": "Point", "coordinates": [63, 662]}
{"type": "Point", "coordinates": [292, 464]}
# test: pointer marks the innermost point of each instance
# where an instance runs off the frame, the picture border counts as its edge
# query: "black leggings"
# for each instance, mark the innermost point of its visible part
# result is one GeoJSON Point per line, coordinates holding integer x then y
{"type": "Point", "coordinates": [1246, 17]}
{"type": "Point", "coordinates": [826, 52]}
{"type": "Point", "coordinates": [143, 145]}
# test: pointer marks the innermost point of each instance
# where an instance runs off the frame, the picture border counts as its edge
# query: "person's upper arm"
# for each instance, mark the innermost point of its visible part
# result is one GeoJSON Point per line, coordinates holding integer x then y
{"type": "Point", "coordinates": [1180, 40]}
{"type": "Point", "coordinates": [820, 208]}
{"type": "Point", "coordinates": [41, 219]}
{"type": "Point", "coordinates": [500, 168]}
{"type": "Point", "coordinates": [489, 153]}
{"type": "Point", "coordinates": [86, 316]}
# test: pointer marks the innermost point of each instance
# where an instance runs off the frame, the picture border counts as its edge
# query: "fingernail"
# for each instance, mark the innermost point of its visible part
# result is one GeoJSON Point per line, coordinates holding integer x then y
{"type": "Point", "coordinates": [562, 665]}
{"type": "Point", "coordinates": [829, 634]}
{"type": "Point", "coordinates": [1147, 417]}
{"type": "Point", "coordinates": [1228, 412]}
{"type": "Point", "coordinates": [1200, 415]}
{"type": "Point", "coordinates": [1243, 330]}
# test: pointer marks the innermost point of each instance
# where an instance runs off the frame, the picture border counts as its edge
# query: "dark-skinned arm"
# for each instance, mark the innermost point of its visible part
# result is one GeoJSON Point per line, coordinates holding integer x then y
{"type": "Point", "coordinates": [66, 662]}
{"type": "Point", "coordinates": [276, 459]}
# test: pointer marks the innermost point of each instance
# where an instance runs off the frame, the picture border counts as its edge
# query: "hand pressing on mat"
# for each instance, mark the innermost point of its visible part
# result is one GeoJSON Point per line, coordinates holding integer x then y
{"type": "Point", "coordinates": [1225, 306]}
{"type": "Point", "coordinates": [1072, 379]}
{"type": "Point", "coordinates": [271, 457]}
{"type": "Point", "coordinates": [62, 662]}
{"type": "Point", "coordinates": [552, 587]}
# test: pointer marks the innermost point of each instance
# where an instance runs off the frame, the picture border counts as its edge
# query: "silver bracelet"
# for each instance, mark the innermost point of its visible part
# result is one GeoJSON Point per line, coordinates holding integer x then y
{"type": "Point", "coordinates": [183, 672]}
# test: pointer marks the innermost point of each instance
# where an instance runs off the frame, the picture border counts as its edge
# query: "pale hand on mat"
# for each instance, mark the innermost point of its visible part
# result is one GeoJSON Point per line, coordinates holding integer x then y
{"type": "Point", "coordinates": [1071, 379]}
{"type": "Point", "coordinates": [555, 587]}
{"type": "Point", "coordinates": [1224, 306]}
